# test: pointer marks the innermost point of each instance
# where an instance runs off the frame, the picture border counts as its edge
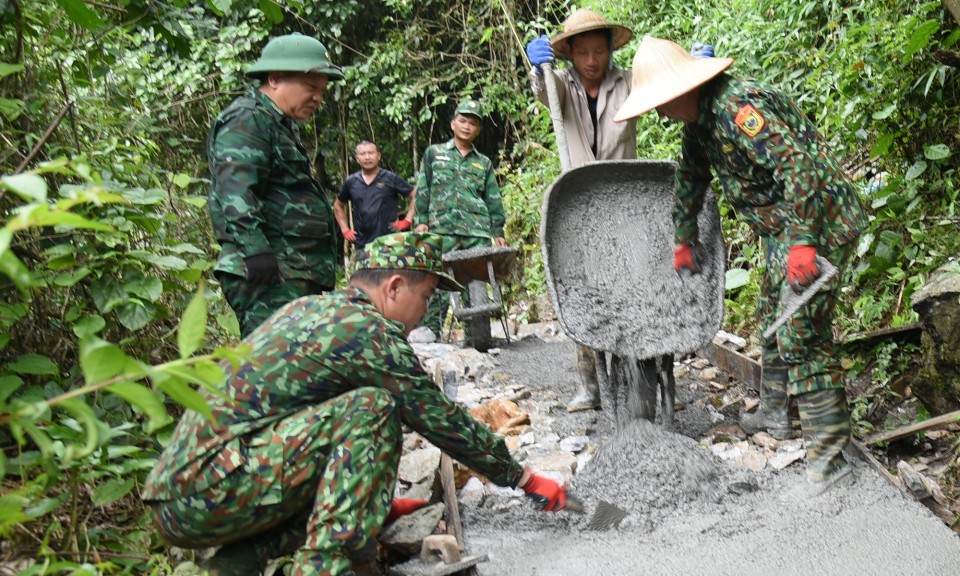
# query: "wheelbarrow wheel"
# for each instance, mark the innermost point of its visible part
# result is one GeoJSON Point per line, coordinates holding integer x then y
{"type": "Point", "coordinates": [477, 328]}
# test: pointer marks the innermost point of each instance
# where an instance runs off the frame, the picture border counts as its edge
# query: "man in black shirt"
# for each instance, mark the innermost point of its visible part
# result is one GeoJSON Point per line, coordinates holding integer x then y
{"type": "Point", "coordinates": [373, 191]}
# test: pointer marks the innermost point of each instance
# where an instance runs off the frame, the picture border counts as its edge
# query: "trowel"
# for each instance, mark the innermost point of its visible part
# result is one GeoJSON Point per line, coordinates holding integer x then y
{"type": "Point", "coordinates": [792, 302]}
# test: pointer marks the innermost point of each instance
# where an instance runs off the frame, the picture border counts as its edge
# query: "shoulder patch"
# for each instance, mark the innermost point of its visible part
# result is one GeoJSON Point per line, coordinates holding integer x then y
{"type": "Point", "coordinates": [750, 120]}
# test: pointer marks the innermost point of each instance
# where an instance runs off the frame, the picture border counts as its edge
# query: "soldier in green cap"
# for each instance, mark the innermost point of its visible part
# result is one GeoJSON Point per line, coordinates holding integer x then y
{"type": "Point", "coordinates": [458, 196]}
{"type": "Point", "coordinates": [271, 218]}
{"type": "Point", "coordinates": [301, 450]}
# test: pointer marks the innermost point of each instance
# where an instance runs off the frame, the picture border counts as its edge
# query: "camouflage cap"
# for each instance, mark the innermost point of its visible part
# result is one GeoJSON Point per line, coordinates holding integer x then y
{"type": "Point", "coordinates": [471, 107]}
{"type": "Point", "coordinates": [415, 251]}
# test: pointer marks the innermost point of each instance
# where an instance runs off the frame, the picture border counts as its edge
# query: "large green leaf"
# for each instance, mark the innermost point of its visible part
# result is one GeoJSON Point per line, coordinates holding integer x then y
{"type": "Point", "coordinates": [106, 293]}
{"type": "Point", "coordinates": [91, 428]}
{"type": "Point", "coordinates": [135, 314]}
{"type": "Point", "coordinates": [736, 278]}
{"type": "Point", "coordinates": [921, 37]}
{"type": "Point", "coordinates": [144, 400]}
{"type": "Point", "coordinates": [100, 360]}
{"type": "Point", "coordinates": [166, 262]}
{"type": "Point", "coordinates": [193, 325]}
{"type": "Point", "coordinates": [186, 396]}
{"type": "Point", "coordinates": [9, 383]}
{"type": "Point", "coordinates": [272, 11]}
{"type": "Point", "coordinates": [112, 490]}
{"type": "Point", "coordinates": [7, 69]}
{"type": "Point", "coordinates": [221, 7]}
{"type": "Point", "coordinates": [918, 168]}
{"type": "Point", "coordinates": [30, 187]}
{"type": "Point", "coordinates": [89, 325]}
{"type": "Point", "coordinates": [81, 14]}
{"type": "Point", "coordinates": [68, 220]}
{"type": "Point", "coordinates": [13, 268]}
{"type": "Point", "coordinates": [33, 364]}
{"type": "Point", "coordinates": [936, 152]}
{"type": "Point", "coordinates": [149, 289]}
{"type": "Point", "coordinates": [12, 108]}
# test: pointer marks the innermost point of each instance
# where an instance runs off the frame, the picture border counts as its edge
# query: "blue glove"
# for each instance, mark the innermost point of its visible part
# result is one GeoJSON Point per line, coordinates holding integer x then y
{"type": "Point", "coordinates": [540, 52]}
{"type": "Point", "coordinates": [700, 50]}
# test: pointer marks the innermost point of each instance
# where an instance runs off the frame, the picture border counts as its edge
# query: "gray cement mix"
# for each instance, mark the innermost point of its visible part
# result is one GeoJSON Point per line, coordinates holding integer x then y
{"type": "Point", "coordinates": [607, 236]}
{"type": "Point", "coordinates": [690, 513]}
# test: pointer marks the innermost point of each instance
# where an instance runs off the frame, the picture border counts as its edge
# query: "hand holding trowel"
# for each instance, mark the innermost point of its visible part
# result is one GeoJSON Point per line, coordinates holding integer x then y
{"type": "Point", "coordinates": [807, 273]}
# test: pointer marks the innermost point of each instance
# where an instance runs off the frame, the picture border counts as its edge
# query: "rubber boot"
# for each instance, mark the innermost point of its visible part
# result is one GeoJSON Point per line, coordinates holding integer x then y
{"type": "Point", "coordinates": [773, 416]}
{"type": "Point", "coordinates": [588, 389]}
{"type": "Point", "coordinates": [236, 559]}
{"type": "Point", "coordinates": [826, 431]}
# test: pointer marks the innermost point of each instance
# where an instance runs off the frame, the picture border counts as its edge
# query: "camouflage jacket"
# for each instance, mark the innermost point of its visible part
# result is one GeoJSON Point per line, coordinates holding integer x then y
{"type": "Point", "coordinates": [263, 197]}
{"type": "Point", "coordinates": [458, 195]}
{"type": "Point", "coordinates": [774, 166]}
{"type": "Point", "coordinates": [318, 348]}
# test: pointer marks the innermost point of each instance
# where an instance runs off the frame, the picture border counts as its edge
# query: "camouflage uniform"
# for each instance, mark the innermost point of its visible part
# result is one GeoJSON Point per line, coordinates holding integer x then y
{"type": "Point", "coordinates": [457, 196]}
{"type": "Point", "coordinates": [303, 446]}
{"type": "Point", "coordinates": [264, 200]}
{"type": "Point", "coordinates": [777, 173]}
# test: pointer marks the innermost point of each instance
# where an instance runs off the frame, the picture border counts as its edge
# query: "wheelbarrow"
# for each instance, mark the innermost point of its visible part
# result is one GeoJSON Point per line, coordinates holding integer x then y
{"type": "Point", "coordinates": [477, 268]}
{"type": "Point", "coordinates": [607, 237]}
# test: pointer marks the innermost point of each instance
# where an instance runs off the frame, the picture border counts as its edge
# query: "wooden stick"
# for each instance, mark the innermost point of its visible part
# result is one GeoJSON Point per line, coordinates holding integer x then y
{"type": "Point", "coordinates": [942, 420]}
{"type": "Point", "coordinates": [43, 139]}
{"type": "Point", "coordinates": [454, 527]}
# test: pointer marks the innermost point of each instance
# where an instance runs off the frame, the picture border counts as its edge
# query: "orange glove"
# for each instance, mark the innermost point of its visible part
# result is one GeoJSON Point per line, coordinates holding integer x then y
{"type": "Point", "coordinates": [683, 258]}
{"type": "Point", "coordinates": [350, 235]}
{"type": "Point", "coordinates": [802, 267]}
{"type": "Point", "coordinates": [546, 494]}
{"type": "Point", "coordinates": [400, 225]}
{"type": "Point", "coordinates": [403, 506]}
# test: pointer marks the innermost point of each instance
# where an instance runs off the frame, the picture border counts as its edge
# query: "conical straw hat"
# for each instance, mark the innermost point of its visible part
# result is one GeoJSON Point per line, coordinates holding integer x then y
{"type": "Point", "coordinates": [662, 71]}
{"type": "Point", "coordinates": [583, 20]}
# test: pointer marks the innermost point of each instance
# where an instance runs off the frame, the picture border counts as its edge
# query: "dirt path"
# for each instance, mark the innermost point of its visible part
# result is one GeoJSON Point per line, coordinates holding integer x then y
{"type": "Point", "coordinates": [690, 512]}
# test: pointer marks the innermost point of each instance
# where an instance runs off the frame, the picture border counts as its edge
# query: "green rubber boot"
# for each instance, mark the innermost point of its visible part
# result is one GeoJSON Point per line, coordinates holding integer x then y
{"type": "Point", "coordinates": [826, 430]}
{"type": "Point", "coordinates": [773, 415]}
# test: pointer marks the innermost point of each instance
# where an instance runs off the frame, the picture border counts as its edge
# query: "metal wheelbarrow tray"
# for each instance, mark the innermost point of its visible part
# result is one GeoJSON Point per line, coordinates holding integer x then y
{"type": "Point", "coordinates": [607, 236]}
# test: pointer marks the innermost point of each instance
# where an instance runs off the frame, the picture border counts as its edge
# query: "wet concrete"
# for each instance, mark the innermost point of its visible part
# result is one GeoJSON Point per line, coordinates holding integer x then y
{"type": "Point", "coordinates": [689, 512]}
{"type": "Point", "coordinates": [607, 236]}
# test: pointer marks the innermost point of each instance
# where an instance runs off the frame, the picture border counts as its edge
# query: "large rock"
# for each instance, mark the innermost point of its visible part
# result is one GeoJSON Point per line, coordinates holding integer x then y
{"type": "Point", "coordinates": [406, 534]}
{"type": "Point", "coordinates": [937, 384]}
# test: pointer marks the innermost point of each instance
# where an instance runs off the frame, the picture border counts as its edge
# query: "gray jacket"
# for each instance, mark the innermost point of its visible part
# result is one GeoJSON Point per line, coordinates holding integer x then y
{"type": "Point", "coordinates": [616, 140]}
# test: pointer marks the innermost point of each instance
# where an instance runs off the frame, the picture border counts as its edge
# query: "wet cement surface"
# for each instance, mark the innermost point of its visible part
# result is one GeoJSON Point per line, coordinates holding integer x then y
{"type": "Point", "coordinates": [608, 239]}
{"type": "Point", "coordinates": [689, 512]}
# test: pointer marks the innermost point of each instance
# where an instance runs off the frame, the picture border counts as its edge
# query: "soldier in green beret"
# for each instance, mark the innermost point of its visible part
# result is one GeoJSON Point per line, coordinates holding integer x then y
{"type": "Point", "coordinates": [300, 453]}
{"type": "Point", "coordinates": [458, 196]}
{"type": "Point", "coordinates": [272, 219]}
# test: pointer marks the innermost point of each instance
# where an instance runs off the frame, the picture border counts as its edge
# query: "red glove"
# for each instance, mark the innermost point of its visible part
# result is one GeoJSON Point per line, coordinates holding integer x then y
{"type": "Point", "coordinates": [403, 506]}
{"type": "Point", "coordinates": [350, 235]}
{"type": "Point", "coordinates": [401, 225]}
{"type": "Point", "coordinates": [547, 495]}
{"type": "Point", "coordinates": [683, 258]}
{"type": "Point", "coordinates": [802, 267]}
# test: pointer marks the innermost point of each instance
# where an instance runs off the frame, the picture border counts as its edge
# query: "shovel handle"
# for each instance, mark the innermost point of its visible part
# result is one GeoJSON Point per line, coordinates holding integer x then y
{"type": "Point", "coordinates": [556, 114]}
{"type": "Point", "coordinates": [574, 503]}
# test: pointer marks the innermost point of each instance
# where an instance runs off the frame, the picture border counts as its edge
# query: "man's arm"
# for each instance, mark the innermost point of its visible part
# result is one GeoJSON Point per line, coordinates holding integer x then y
{"type": "Point", "coordinates": [340, 213]}
{"type": "Point", "coordinates": [411, 205]}
{"type": "Point", "coordinates": [491, 197]}
{"type": "Point", "coordinates": [239, 158]}
{"type": "Point", "coordinates": [422, 199]}
{"type": "Point", "coordinates": [693, 177]}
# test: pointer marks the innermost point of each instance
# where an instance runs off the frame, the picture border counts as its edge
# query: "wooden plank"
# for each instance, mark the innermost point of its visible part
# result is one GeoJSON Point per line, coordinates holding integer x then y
{"type": "Point", "coordinates": [733, 363]}
{"type": "Point", "coordinates": [447, 382]}
{"type": "Point", "coordinates": [942, 420]}
{"type": "Point", "coordinates": [864, 341]}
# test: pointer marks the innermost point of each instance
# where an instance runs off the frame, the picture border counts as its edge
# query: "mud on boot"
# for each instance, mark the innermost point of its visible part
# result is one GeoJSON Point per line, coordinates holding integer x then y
{"type": "Point", "coordinates": [826, 431]}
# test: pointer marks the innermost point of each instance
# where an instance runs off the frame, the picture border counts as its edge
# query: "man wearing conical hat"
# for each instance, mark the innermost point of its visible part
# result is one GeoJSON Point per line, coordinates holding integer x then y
{"type": "Point", "coordinates": [778, 173]}
{"type": "Point", "coordinates": [272, 219]}
{"type": "Point", "coordinates": [298, 453]}
{"type": "Point", "coordinates": [591, 91]}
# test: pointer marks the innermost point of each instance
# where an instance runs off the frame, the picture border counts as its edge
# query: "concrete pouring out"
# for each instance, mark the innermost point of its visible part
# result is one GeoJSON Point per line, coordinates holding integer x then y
{"type": "Point", "coordinates": [688, 510]}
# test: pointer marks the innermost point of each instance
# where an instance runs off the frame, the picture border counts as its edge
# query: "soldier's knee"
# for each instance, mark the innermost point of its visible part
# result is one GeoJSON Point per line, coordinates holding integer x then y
{"type": "Point", "coordinates": [374, 401]}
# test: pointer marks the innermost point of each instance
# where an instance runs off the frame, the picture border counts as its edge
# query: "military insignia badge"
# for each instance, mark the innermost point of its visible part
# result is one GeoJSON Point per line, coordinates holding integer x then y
{"type": "Point", "coordinates": [727, 148]}
{"type": "Point", "coordinates": [750, 120]}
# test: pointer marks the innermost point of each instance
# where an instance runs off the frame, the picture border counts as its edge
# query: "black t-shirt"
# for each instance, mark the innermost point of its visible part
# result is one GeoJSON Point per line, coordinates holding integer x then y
{"type": "Point", "coordinates": [592, 107]}
{"type": "Point", "coordinates": [374, 206]}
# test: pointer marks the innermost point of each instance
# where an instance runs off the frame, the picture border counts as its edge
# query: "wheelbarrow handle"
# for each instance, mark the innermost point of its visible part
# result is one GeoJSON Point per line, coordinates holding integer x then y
{"type": "Point", "coordinates": [556, 113]}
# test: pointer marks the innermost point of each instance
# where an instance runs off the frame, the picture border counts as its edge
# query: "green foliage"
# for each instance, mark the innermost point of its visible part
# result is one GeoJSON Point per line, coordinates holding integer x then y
{"type": "Point", "coordinates": [105, 249]}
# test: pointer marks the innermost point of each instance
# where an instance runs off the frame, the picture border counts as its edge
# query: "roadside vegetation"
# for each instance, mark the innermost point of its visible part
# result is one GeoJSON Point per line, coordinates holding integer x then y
{"type": "Point", "coordinates": [108, 322]}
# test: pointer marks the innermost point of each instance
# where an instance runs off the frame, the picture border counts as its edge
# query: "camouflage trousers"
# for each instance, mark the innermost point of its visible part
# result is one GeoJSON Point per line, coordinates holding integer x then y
{"type": "Point", "coordinates": [804, 344]}
{"type": "Point", "coordinates": [440, 303]}
{"type": "Point", "coordinates": [317, 484]}
{"type": "Point", "coordinates": [254, 303]}
{"type": "Point", "coordinates": [803, 361]}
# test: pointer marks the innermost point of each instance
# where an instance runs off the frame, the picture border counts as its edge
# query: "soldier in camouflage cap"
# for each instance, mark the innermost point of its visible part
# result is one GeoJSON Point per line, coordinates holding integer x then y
{"type": "Point", "coordinates": [273, 221]}
{"type": "Point", "coordinates": [777, 171]}
{"type": "Point", "coordinates": [300, 453]}
{"type": "Point", "coordinates": [458, 196]}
